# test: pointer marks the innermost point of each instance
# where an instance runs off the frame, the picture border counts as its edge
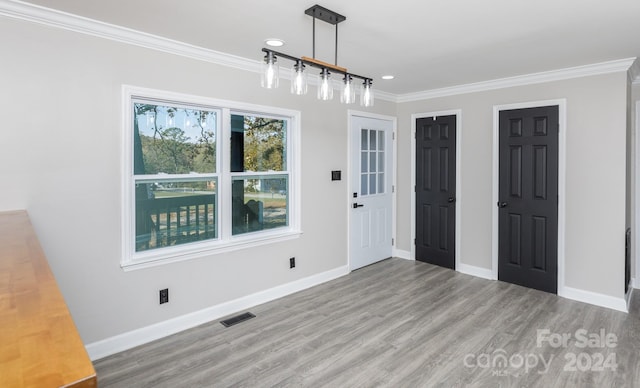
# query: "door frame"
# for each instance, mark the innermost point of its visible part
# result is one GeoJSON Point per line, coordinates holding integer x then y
{"type": "Point", "coordinates": [394, 158]}
{"type": "Point", "coordinates": [562, 151]}
{"type": "Point", "coordinates": [635, 165]}
{"type": "Point", "coordinates": [458, 194]}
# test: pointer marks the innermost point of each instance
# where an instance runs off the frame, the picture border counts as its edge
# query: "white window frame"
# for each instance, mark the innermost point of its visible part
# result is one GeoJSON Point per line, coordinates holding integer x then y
{"type": "Point", "coordinates": [225, 241]}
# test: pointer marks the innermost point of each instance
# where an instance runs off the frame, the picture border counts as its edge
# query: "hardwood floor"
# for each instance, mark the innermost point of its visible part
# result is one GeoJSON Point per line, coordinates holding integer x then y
{"type": "Point", "coordinates": [397, 323]}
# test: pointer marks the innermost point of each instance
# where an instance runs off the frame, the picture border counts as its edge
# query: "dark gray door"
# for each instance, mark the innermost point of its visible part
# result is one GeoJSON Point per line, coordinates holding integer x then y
{"type": "Point", "coordinates": [528, 197]}
{"type": "Point", "coordinates": [436, 190]}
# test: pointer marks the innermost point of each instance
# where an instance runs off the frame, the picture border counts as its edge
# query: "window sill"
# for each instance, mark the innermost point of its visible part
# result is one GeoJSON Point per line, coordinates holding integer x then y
{"type": "Point", "coordinates": [198, 250]}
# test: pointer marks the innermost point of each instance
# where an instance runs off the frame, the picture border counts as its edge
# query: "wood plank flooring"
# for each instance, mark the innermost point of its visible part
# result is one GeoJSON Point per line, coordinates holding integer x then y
{"type": "Point", "coordinates": [396, 323]}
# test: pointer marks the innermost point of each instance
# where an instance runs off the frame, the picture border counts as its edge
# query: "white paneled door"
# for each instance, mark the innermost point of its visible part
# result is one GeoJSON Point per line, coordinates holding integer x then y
{"type": "Point", "coordinates": [371, 191]}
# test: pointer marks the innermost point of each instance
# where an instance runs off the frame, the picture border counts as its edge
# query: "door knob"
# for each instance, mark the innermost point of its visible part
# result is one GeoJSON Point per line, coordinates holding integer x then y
{"type": "Point", "coordinates": [451, 200]}
{"type": "Point", "coordinates": [502, 204]}
{"type": "Point", "coordinates": [357, 205]}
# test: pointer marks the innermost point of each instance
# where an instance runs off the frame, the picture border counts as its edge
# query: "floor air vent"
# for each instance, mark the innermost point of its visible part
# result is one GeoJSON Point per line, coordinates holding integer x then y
{"type": "Point", "coordinates": [237, 319]}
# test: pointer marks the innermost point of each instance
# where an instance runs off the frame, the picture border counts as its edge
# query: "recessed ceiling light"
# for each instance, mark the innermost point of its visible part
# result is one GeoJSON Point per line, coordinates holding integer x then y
{"type": "Point", "coordinates": [274, 42]}
{"type": "Point", "coordinates": [388, 77]}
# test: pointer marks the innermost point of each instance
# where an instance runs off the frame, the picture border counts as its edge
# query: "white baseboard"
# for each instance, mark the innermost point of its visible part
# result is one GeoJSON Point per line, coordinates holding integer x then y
{"type": "Point", "coordinates": [128, 340]}
{"type": "Point", "coordinates": [594, 298]}
{"type": "Point", "coordinates": [480, 272]}
{"type": "Point", "coordinates": [399, 253]}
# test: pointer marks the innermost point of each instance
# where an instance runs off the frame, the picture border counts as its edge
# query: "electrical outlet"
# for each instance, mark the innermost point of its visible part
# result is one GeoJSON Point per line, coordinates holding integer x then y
{"type": "Point", "coordinates": [292, 262]}
{"type": "Point", "coordinates": [164, 296]}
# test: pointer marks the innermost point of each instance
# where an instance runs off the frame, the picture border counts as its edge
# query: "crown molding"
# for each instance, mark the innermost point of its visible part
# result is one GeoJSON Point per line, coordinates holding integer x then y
{"type": "Point", "coordinates": [634, 72]}
{"type": "Point", "coordinates": [53, 18]}
{"type": "Point", "coordinates": [522, 80]}
{"type": "Point", "coordinates": [386, 96]}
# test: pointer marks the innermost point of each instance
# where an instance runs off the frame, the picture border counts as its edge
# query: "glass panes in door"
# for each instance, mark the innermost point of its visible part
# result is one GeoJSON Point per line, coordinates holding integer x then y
{"type": "Point", "coordinates": [372, 168]}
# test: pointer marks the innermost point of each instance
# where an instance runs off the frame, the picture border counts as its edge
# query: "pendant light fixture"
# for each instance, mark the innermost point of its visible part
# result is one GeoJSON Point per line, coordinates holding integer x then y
{"type": "Point", "coordinates": [270, 71]}
{"type": "Point", "coordinates": [325, 89]}
{"type": "Point", "coordinates": [348, 93]}
{"type": "Point", "coordinates": [366, 95]}
{"type": "Point", "coordinates": [299, 78]}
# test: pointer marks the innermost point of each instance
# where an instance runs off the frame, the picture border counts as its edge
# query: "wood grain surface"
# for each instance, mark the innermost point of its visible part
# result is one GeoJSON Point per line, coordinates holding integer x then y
{"type": "Point", "coordinates": [396, 323]}
{"type": "Point", "coordinates": [39, 344]}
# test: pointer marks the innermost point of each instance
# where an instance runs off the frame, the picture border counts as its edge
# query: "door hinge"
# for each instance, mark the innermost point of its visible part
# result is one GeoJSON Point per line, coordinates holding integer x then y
{"type": "Point", "coordinates": [393, 241]}
{"type": "Point", "coordinates": [393, 189]}
{"type": "Point", "coordinates": [393, 136]}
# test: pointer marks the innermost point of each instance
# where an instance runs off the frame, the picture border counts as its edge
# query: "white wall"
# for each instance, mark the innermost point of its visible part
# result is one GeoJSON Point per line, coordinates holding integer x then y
{"type": "Point", "coordinates": [60, 158]}
{"type": "Point", "coordinates": [595, 175]}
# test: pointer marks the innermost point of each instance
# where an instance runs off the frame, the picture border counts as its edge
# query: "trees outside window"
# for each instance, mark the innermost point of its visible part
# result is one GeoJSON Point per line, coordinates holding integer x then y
{"type": "Point", "coordinates": [175, 175]}
{"type": "Point", "coordinates": [259, 173]}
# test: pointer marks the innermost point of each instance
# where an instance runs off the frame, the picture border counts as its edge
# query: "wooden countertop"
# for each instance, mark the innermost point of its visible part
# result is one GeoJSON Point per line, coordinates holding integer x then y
{"type": "Point", "coordinates": [39, 343]}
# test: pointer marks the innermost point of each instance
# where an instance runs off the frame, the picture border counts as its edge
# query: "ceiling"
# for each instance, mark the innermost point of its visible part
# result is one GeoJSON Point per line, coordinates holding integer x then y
{"type": "Point", "coordinates": [425, 44]}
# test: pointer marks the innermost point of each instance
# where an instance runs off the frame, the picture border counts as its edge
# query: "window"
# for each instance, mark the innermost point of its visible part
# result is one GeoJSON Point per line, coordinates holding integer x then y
{"type": "Point", "coordinates": [174, 172]}
{"type": "Point", "coordinates": [258, 173]}
{"type": "Point", "coordinates": [188, 193]}
{"type": "Point", "coordinates": [372, 162]}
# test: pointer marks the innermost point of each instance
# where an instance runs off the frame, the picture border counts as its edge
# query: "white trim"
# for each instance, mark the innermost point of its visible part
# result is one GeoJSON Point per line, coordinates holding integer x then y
{"type": "Point", "coordinates": [634, 283]}
{"type": "Point", "coordinates": [385, 96]}
{"type": "Point", "coordinates": [562, 154]}
{"type": "Point", "coordinates": [635, 200]}
{"type": "Point", "coordinates": [485, 273]}
{"type": "Point", "coordinates": [458, 195]}
{"type": "Point", "coordinates": [522, 80]}
{"type": "Point", "coordinates": [394, 183]}
{"type": "Point", "coordinates": [182, 253]}
{"type": "Point", "coordinates": [394, 130]}
{"type": "Point", "coordinates": [594, 298]}
{"type": "Point", "coordinates": [627, 297]}
{"type": "Point", "coordinates": [375, 116]}
{"type": "Point", "coordinates": [67, 21]}
{"type": "Point", "coordinates": [634, 72]}
{"type": "Point", "coordinates": [402, 254]}
{"type": "Point", "coordinates": [225, 242]}
{"type": "Point", "coordinates": [128, 340]}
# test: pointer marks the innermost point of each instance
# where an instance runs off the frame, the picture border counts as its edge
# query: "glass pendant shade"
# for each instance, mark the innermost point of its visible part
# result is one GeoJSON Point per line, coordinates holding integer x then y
{"type": "Point", "coordinates": [298, 79]}
{"type": "Point", "coordinates": [325, 89]}
{"type": "Point", "coordinates": [270, 72]}
{"type": "Point", "coordinates": [366, 94]}
{"type": "Point", "coordinates": [348, 93]}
